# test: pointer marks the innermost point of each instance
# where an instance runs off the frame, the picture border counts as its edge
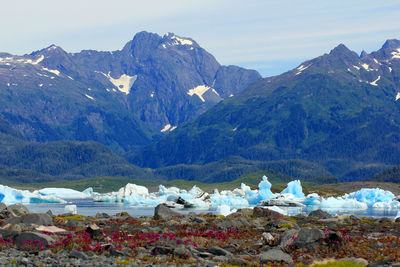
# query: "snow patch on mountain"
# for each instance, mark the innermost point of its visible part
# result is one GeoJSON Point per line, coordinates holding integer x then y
{"type": "Point", "coordinates": [374, 83]}
{"type": "Point", "coordinates": [166, 128]}
{"type": "Point", "coordinates": [357, 67]}
{"type": "Point", "coordinates": [175, 40]}
{"type": "Point", "coordinates": [37, 61]}
{"type": "Point", "coordinates": [90, 97]}
{"type": "Point", "coordinates": [365, 66]}
{"type": "Point", "coordinates": [396, 54]}
{"type": "Point", "coordinates": [301, 68]}
{"type": "Point", "coordinates": [123, 83]}
{"type": "Point", "coordinates": [22, 60]}
{"type": "Point", "coordinates": [199, 91]}
{"type": "Point", "coordinates": [397, 96]}
{"type": "Point", "coordinates": [182, 41]}
{"type": "Point", "coordinates": [53, 47]}
{"type": "Point", "coordinates": [56, 72]}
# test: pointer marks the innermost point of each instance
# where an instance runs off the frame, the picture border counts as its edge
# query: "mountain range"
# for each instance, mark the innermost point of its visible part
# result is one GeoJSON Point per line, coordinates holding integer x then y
{"type": "Point", "coordinates": [163, 108]}
{"type": "Point", "coordinates": [123, 98]}
{"type": "Point", "coordinates": [339, 110]}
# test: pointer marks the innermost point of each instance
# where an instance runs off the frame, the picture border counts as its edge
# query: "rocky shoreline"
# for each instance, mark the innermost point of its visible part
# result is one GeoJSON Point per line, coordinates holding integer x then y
{"type": "Point", "coordinates": [248, 237]}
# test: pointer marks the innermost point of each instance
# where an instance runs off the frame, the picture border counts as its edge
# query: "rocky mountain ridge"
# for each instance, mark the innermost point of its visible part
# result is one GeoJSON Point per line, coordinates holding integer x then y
{"type": "Point", "coordinates": [123, 98]}
{"type": "Point", "coordinates": [340, 110]}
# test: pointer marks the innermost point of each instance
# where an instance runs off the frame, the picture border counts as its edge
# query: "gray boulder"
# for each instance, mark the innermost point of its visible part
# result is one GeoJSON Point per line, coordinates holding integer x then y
{"type": "Point", "coordinates": [219, 251]}
{"type": "Point", "coordinates": [32, 218]}
{"type": "Point", "coordinates": [32, 241]}
{"type": "Point", "coordinates": [17, 210]}
{"type": "Point", "coordinates": [275, 255]}
{"type": "Point", "coordinates": [319, 214]}
{"type": "Point", "coordinates": [182, 252]}
{"type": "Point", "coordinates": [288, 238]}
{"type": "Point", "coordinates": [4, 213]}
{"type": "Point", "coordinates": [78, 255]}
{"type": "Point", "coordinates": [162, 212]}
{"type": "Point", "coordinates": [309, 238]}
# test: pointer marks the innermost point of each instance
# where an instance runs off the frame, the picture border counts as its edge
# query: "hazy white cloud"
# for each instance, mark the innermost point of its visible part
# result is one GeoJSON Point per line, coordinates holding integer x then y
{"type": "Point", "coordinates": [235, 31]}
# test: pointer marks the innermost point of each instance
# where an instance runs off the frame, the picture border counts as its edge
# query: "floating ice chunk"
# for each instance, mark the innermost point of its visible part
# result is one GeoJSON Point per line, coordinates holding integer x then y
{"type": "Point", "coordinates": [133, 189]}
{"type": "Point", "coordinates": [10, 195]}
{"type": "Point", "coordinates": [88, 191]}
{"type": "Point", "coordinates": [138, 200]}
{"type": "Point", "coordinates": [196, 191]}
{"type": "Point", "coordinates": [224, 210]}
{"type": "Point", "coordinates": [371, 196]}
{"type": "Point", "coordinates": [129, 191]}
{"type": "Point", "coordinates": [386, 205]}
{"type": "Point", "coordinates": [340, 203]}
{"type": "Point", "coordinates": [64, 193]}
{"type": "Point", "coordinates": [70, 209]}
{"type": "Point", "coordinates": [228, 198]}
{"type": "Point", "coordinates": [312, 199]}
{"type": "Point", "coordinates": [294, 187]}
{"type": "Point", "coordinates": [264, 189]}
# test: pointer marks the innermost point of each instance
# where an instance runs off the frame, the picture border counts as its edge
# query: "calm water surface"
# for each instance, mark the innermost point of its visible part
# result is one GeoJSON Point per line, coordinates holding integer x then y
{"type": "Point", "coordinates": [89, 208]}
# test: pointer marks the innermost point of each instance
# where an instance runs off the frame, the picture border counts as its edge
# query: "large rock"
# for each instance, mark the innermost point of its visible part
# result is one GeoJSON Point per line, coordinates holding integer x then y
{"type": "Point", "coordinates": [32, 218]}
{"type": "Point", "coordinates": [17, 210]}
{"type": "Point", "coordinates": [4, 213]}
{"type": "Point", "coordinates": [219, 251]}
{"type": "Point", "coordinates": [275, 255]}
{"type": "Point", "coordinates": [319, 214]}
{"type": "Point", "coordinates": [265, 212]}
{"type": "Point", "coordinates": [288, 239]}
{"type": "Point", "coordinates": [162, 212]}
{"type": "Point", "coordinates": [182, 252]}
{"type": "Point", "coordinates": [309, 238]}
{"type": "Point", "coordinates": [32, 241]}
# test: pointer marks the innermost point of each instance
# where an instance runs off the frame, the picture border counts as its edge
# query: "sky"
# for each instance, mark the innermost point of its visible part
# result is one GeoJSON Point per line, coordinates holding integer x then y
{"type": "Point", "coordinates": [267, 35]}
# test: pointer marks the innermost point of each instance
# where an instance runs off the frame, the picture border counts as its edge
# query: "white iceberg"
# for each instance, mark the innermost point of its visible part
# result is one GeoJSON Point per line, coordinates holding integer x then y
{"type": "Point", "coordinates": [10, 195]}
{"type": "Point", "coordinates": [71, 209]}
{"type": "Point", "coordinates": [339, 203]}
{"type": "Point", "coordinates": [65, 193]}
{"type": "Point", "coordinates": [224, 210]}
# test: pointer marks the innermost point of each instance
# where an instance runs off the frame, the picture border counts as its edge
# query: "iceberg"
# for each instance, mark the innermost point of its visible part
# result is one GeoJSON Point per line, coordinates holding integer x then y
{"type": "Point", "coordinates": [10, 195]}
{"type": "Point", "coordinates": [70, 209]}
{"type": "Point", "coordinates": [224, 210]}
{"type": "Point", "coordinates": [294, 188]}
{"type": "Point", "coordinates": [228, 198]}
{"type": "Point", "coordinates": [65, 193]}
{"type": "Point", "coordinates": [222, 202]}
{"type": "Point", "coordinates": [340, 203]}
{"type": "Point", "coordinates": [263, 192]}
{"type": "Point", "coordinates": [370, 196]}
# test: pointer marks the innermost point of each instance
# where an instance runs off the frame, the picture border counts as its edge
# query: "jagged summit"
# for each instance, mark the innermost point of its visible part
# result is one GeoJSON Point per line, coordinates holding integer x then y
{"type": "Point", "coordinates": [341, 51]}
{"type": "Point", "coordinates": [391, 44]}
{"type": "Point", "coordinates": [363, 54]}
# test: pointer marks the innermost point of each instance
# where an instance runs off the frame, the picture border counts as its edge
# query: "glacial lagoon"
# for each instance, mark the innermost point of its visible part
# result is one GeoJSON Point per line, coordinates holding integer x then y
{"type": "Point", "coordinates": [88, 207]}
{"type": "Point", "coordinates": [138, 201]}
